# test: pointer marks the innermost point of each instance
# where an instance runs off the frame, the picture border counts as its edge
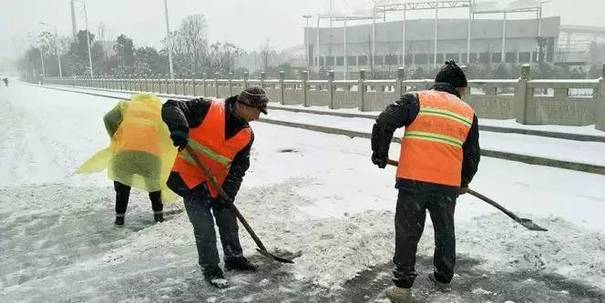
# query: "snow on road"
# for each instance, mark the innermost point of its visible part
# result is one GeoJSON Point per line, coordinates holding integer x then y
{"type": "Point", "coordinates": [305, 191]}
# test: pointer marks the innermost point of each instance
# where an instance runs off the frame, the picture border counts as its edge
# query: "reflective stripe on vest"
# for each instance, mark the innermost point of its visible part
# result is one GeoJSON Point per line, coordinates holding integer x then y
{"type": "Point", "coordinates": [140, 121]}
{"type": "Point", "coordinates": [211, 148]}
{"type": "Point", "coordinates": [431, 147]}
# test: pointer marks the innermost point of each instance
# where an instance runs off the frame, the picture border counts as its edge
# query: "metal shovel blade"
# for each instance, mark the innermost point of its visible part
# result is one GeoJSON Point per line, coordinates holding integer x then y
{"type": "Point", "coordinates": [276, 258]}
{"type": "Point", "coordinates": [529, 224]}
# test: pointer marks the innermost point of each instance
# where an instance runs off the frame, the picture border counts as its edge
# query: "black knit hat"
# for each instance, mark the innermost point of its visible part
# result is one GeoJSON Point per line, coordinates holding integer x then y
{"type": "Point", "coordinates": [452, 74]}
{"type": "Point", "coordinates": [254, 96]}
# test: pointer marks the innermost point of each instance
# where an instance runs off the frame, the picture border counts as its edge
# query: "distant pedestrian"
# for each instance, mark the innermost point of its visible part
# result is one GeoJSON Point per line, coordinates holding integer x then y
{"type": "Point", "coordinates": [5, 80]}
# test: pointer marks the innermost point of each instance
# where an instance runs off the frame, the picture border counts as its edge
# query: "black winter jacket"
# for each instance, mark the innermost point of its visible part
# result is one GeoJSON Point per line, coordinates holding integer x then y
{"type": "Point", "coordinates": [402, 113]}
{"type": "Point", "coordinates": [183, 115]}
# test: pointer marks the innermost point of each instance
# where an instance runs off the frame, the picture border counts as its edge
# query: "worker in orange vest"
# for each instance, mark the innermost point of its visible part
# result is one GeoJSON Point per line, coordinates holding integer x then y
{"type": "Point", "coordinates": [438, 159]}
{"type": "Point", "coordinates": [221, 138]}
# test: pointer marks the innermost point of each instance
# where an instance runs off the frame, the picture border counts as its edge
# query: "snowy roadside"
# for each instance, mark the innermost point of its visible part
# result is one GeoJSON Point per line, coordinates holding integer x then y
{"type": "Point", "coordinates": [328, 202]}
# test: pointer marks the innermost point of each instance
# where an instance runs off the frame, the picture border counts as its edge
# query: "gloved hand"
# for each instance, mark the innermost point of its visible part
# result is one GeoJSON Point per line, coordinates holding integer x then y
{"type": "Point", "coordinates": [379, 160]}
{"type": "Point", "coordinates": [463, 190]}
{"type": "Point", "coordinates": [224, 201]}
{"type": "Point", "coordinates": [179, 138]}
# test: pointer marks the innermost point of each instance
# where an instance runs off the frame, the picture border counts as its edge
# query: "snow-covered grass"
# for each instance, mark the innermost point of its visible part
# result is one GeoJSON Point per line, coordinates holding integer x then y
{"type": "Point", "coordinates": [305, 191]}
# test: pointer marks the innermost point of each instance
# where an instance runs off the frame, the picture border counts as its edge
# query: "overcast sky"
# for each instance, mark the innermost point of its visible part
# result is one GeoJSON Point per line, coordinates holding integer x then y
{"type": "Point", "coordinates": [247, 23]}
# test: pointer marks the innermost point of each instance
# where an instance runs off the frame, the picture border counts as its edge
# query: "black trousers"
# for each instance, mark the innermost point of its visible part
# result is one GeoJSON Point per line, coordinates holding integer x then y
{"type": "Point", "coordinates": [198, 209]}
{"type": "Point", "coordinates": [123, 193]}
{"type": "Point", "coordinates": [410, 216]}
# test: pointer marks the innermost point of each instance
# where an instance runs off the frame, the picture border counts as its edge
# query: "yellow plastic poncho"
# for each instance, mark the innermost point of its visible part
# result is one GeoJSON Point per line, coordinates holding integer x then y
{"type": "Point", "coordinates": [141, 153]}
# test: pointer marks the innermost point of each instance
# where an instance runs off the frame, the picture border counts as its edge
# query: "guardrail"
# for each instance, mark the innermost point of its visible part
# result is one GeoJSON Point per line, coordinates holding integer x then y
{"type": "Point", "coordinates": [559, 102]}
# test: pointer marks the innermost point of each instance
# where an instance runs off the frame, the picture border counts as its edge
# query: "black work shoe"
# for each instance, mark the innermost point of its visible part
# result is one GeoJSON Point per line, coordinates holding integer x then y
{"type": "Point", "coordinates": [437, 281]}
{"type": "Point", "coordinates": [119, 221]}
{"type": "Point", "coordinates": [214, 276]}
{"type": "Point", "coordinates": [158, 217]}
{"type": "Point", "coordinates": [239, 263]}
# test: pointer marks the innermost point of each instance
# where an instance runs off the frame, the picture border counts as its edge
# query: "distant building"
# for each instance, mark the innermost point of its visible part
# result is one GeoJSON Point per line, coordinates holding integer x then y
{"type": "Point", "coordinates": [561, 44]}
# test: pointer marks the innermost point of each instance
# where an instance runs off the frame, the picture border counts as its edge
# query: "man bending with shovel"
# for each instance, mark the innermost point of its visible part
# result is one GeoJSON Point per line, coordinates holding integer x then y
{"type": "Point", "coordinates": [219, 136]}
{"type": "Point", "coordinates": [439, 157]}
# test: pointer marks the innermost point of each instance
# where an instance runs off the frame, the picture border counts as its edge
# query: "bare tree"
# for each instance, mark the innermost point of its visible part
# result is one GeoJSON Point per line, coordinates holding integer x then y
{"type": "Point", "coordinates": [267, 53]}
{"type": "Point", "coordinates": [46, 43]}
{"type": "Point", "coordinates": [193, 42]}
{"type": "Point", "coordinates": [223, 55]}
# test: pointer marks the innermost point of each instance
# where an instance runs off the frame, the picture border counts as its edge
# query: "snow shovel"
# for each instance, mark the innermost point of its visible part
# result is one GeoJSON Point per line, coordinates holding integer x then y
{"type": "Point", "coordinates": [261, 248]}
{"type": "Point", "coordinates": [527, 223]}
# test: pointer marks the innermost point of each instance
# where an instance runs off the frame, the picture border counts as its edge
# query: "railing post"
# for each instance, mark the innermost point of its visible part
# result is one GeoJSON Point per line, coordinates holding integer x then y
{"type": "Point", "coordinates": [216, 85]}
{"type": "Point", "coordinates": [600, 104]}
{"type": "Point", "coordinates": [193, 93]}
{"type": "Point", "coordinates": [166, 77]}
{"type": "Point", "coordinates": [168, 80]}
{"type": "Point", "coordinates": [184, 85]}
{"type": "Point", "coordinates": [230, 84]}
{"type": "Point", "coordinates": [159, 82]}
{"type": "Point", "coordinates": [331, 88]}
{"type": "Point", "coordinates": [160, 77]}
{"type": "Point", "coordinates": [282, 95]}
{"type": "Point", "coordinates": [262, 79]}
{"type": "Point", "coordinates": [305, 88]}
{"type": "Point", "coordinates": [362, 90]}
{"type": "Point", "coordinates": [400, 81]}
{"type": "Point", "coordinates": [204, 76]}
{"type": "Point", "coordinates": [246, 75]}
{"type": "Point", "coordinates": [521, 95]}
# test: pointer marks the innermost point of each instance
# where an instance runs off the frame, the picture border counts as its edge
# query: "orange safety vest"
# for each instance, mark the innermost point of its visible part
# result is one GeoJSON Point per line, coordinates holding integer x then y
{"type": "Point", "coordinates": [211, 148]}
{"type": "Point", "coordinates": [140, 126]}
{"type": "Point", "coordinates": [431, 147]}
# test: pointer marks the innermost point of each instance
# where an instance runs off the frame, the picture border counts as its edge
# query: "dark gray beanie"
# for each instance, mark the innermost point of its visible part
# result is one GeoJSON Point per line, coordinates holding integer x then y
{"type": "Point", "coordinates": [452, 74]}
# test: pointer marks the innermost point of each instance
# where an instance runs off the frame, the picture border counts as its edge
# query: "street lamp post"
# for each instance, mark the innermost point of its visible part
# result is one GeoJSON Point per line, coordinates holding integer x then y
{"type": "Point", "coordinates": [307, 17]}
{"type": "Point", "coordinates": [42, 60]}
{"type": "Point", "coordinates": [168, 39]}
{"type": "Point", "coordinates": [56, 47]}
{"type": "Point", "coordinates": [87, 35]}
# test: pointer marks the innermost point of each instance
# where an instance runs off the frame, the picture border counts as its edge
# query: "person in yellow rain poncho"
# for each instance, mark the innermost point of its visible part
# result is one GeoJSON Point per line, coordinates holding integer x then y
{"type": "Point", "coordinates": [140, 154]}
